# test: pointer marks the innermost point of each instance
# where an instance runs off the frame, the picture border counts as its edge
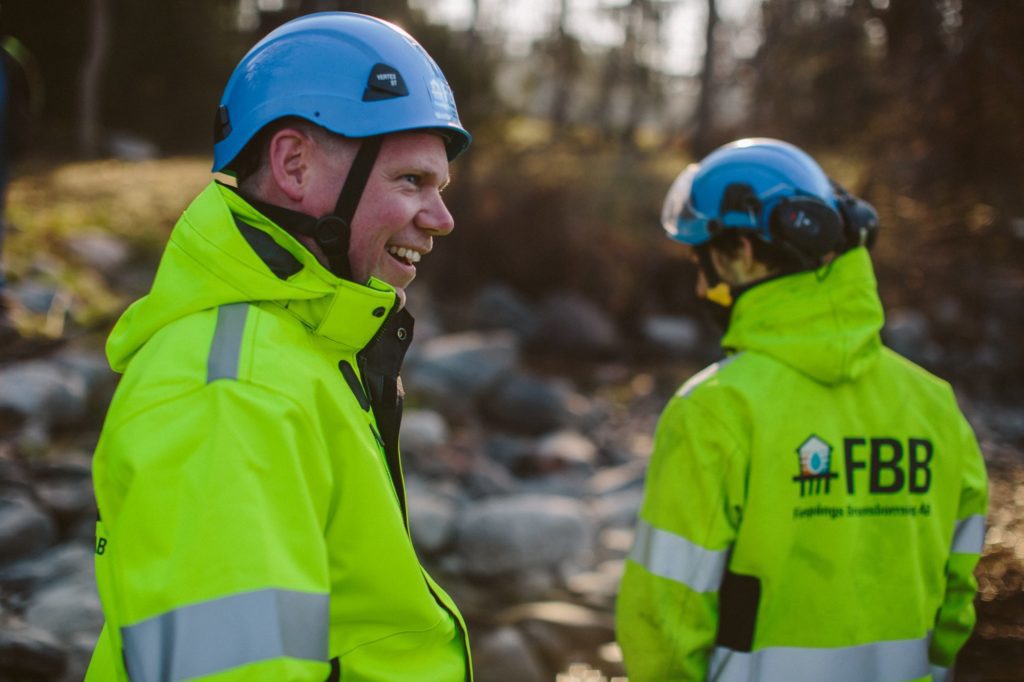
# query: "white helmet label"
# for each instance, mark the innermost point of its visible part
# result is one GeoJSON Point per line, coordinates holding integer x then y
{"type": "Point", "coordinates": [443, 100]}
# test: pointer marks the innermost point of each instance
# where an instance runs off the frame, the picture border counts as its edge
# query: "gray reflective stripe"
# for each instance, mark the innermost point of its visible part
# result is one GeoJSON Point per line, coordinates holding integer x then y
{"type": "Point", "coordinates": [674, 557]}
{"type": "Point", "coordinates": [227, 342]}
{"type": "Point", "coordinates": [893, 661]}
{"type": "Point", "coordinates": [703, 375]}
{"type": "Point", "coordinates": [969, 535]}
{"type": "Point", "coordinates": [209, 637]}
{"type": "Point", "coordinates": [941, 674]}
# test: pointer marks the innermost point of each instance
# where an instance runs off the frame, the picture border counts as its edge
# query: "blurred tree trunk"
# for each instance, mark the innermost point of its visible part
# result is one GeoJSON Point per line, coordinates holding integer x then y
{"type": "Point", "coordinates": [702, 135]}
{"type": "Point", "coordinates": [474, 24]}
{"type": "Point", "coordinates": [643, 37]}
{"type": "Point", "coordinates": [563, 51]}
{"type": "Point", "coordinates": [91, 78]}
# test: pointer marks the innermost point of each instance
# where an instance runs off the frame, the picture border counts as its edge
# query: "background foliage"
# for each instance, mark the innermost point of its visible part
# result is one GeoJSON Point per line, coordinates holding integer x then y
{"type": "Point", "coordinates": [913, 104]}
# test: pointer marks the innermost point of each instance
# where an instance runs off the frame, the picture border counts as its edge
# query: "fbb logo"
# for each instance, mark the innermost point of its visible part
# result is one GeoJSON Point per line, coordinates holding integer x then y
{"type": "Point", "coordinates": [887, 465]}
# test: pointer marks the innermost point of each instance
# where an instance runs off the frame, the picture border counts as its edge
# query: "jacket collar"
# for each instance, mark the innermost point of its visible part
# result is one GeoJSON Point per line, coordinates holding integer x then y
{"type": "Point", "coordinates": [339, 310]}
{"type": "Point", "coordinates": [824, 323]}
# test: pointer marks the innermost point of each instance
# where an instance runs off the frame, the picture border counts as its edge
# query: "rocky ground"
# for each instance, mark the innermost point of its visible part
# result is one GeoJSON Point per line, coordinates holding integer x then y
{"type": "Point", "coordinates": [526, 437]}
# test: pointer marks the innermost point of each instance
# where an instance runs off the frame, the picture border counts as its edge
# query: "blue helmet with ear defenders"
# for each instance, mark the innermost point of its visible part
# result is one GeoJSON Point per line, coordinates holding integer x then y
{"type": "Point", "coordinates": [772, 190]}
{"type": "Point", "coordinates": [355, 75]}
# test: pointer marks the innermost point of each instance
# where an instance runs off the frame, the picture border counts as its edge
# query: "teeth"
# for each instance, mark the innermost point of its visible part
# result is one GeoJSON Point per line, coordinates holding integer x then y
{"type": "Point", "coordinates": [407, 254]}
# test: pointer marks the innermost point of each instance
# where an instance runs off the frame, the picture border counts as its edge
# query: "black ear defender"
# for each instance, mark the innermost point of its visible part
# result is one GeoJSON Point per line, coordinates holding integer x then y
{"type": "Point", "coordinates": [860, 219]}
{"type": "Point", "coordinates": [807, 228]}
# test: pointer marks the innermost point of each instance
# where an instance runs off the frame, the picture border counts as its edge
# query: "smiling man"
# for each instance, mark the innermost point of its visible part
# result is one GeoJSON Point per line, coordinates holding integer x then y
{"type": "Point", "coordinates": [253, 521]}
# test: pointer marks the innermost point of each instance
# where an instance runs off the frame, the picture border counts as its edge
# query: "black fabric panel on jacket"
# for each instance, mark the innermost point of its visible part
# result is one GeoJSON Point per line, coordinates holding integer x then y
{"type": "Point", "coordinates": [737, 607]}
{"type": "Point", "coordinates": [381, 361]}
{"type": "Point", "coordinates": [282, 263]}
{"type": "Point", "coordinates": [335, 675]}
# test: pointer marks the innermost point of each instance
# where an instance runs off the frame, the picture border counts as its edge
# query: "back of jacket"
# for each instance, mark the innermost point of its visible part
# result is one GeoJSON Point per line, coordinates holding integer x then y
{"type": "Point", "coordinates": [814, 505]}
{"type": "Point", "coordinates": [251, 527]}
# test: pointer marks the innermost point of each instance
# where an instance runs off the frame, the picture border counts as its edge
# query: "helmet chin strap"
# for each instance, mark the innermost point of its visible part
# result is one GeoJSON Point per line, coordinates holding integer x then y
{"type": "Point", "coordinates": [333, 231]}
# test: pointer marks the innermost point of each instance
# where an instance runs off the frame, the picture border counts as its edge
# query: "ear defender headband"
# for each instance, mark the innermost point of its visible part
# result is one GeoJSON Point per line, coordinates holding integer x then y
{"type": "Point", "coordinates": [805, 226]}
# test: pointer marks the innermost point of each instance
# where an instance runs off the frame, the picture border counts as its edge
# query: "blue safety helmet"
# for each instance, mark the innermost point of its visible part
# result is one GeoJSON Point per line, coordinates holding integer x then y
{"type": "Point", "coordinates": [763, 186]}
{"type": "Point", "coordinates": [355, 75]}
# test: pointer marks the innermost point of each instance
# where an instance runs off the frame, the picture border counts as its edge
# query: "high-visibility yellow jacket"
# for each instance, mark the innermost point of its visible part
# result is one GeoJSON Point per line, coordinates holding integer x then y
{"type": "Point", "coordinates": [251, 527]}
{"type": "Point", "coordinates": [814, 505]}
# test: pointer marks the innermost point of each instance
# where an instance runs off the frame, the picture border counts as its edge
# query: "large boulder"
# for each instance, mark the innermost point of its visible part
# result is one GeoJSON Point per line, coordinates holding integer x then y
{"type": "Point", "coordinates": [575, 327]}
{"type": "Point", "coordinates": [29, 653]}
{"type": "Point", "coordinates": [423, 432]}
{"type": "Point", "coordinates": [452, 371]}
{"type": "Point", "coordinates": [505, 655]}
{"type": "Point", "coordinates": [431, 519]}
{"type": "Point", "coordinates": [498, 306]}
{"type": "Point", "coordinates": [673, 335]}
{"type": "Point", "coordinates": [25, 529]}
{"type": "Point", "coordinates": [38, 394]}
{"type": "Point", "coordinates": [69, 606]}
{"type": "Point", "coordinates": [522, 403]}
{"type": "Point", "coordinates": [562, 633]}
{"type": "Point", "coordinates": [64, 489]}
{"type": "Point", "coordinates": [521, 533]}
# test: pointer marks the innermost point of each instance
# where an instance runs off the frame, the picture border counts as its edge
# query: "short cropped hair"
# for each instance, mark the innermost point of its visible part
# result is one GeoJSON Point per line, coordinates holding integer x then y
{"type": "Point", "coordinates": [253, 157]}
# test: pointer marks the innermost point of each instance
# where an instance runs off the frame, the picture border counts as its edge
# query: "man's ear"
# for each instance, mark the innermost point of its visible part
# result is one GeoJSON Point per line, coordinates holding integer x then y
{"type": "Point", "coordinates": [288, 154]}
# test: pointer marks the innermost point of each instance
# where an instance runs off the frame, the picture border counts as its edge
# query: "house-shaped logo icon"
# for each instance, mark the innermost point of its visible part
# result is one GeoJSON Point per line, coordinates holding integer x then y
{"type": "Point", "coordinates": [815, 474]}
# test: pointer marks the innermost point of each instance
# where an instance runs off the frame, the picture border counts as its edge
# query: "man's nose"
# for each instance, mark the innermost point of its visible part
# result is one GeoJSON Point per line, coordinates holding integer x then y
{"type": "Point", "coordinates": [436, 218]}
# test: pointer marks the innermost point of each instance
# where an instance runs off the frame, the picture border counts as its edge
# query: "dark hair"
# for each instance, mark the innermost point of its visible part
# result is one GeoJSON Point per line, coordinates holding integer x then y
{"type": "Point", "coordinates": [773, 256]}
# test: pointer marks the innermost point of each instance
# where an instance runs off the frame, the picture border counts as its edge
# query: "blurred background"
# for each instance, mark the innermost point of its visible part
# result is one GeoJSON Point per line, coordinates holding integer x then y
{"type": "Point", "coordinates": [556, 320]}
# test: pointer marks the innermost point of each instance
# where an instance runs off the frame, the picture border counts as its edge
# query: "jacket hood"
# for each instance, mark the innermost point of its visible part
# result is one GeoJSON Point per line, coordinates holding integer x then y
{"type": "Point", "coordinates": [824, 323]}
{"type": "Point", "coordinates": [222, 251]}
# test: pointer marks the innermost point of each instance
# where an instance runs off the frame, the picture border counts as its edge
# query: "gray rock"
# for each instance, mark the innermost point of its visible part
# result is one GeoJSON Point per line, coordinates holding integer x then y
{"type": "Point", "coordinates": [29, 653]}
{"type": "Point", "coordinates": [431, 520]}
{"type": "Point", "coordinates": [423, 432]}
{"type": "Point", "coordinates": [498, 306]}
{"type": "Point", "coordinates": [671, 334]}
{"type": "Point", "coordinates": [512, 452]}
{"type": "Point", "coordinates": [618, 478]}
{"type": "Point", "coordinates": [619, 508]}
{"type": "Point", "coordinates": [504, 655]}
{"type": "Point", "coordinates": [598, 587]}
{"type": "Point", "coordinates": [44, 391]}
{"type": "Point", "coordinates": [68, 607]}
{"type": "Point", "coordinates": [563, 483]}
{"type": "Point", "coordinates": [616, 541]}
{"type": "Point", "coordinates": [556, 453]}
{"type": "Point", "coordinates": [24, 529]}
{"type": "Point", "coordinates": [572, 325]}
{"type": "Point", "coordinates": [65, 490]}
{"type": "Point", "coordinates": [99, 250]}
{"type": "Point", "coordinates": [91, 365]}
{"type": "Point", "coordinates": [908, 332]}
{"type": "Point", "coordinates": [53, 565]}
{"type": "Point", "coordinates": [522, 532]}
{"type": "Point", "coordinates": [487, 479]}
{"type": "Point", "coordinates": [563, 633]}
{"type": "Point", "coordinates": [80, 648]}
{"type": "Point", "coordinates": [525, 404]}
{"type": "Point", "coordinates": [452, 371]}
{"type": "Point", "coordinates": [567, 449]}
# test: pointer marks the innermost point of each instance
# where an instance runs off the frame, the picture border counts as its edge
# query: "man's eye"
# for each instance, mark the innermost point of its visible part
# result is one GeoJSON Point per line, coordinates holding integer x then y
{"type": "Point", "coordinates": [412, 179]}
